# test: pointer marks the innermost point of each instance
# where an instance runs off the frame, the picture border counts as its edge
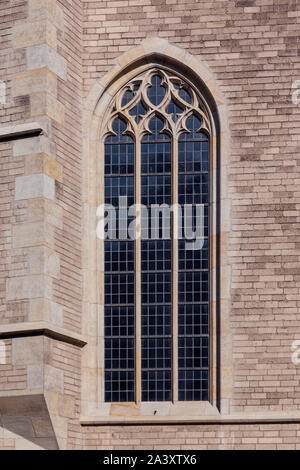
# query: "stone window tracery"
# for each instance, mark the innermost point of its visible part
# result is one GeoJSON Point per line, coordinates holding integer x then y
{"type": "Point", "coordinates": [156, 137]}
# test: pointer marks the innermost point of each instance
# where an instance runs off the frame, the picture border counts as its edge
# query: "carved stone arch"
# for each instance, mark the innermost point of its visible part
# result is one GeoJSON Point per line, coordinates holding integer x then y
{"type": "Point", "coordinates": [151, 54]}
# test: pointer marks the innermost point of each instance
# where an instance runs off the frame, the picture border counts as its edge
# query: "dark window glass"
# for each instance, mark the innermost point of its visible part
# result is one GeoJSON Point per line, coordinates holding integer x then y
{"type": "Point", "coordinates": [119, 353]}
{"type": "Point", "coordinates": [175, 110]}
{"type": "Point", "coordinates": [193, 320]}
{"type": "Point", "coordinates": [193, 260]}
{"type": "Point", "coordinates": [183, 93]}
{"type": "Point", "coordinates": [119, 186]}
{"type": "Point", "coordinates": [156, 189]}
{"type": "Point", "coordinates": [192, 156]}
{"type": "Point", "coordinates": [156, 181]}
{"type": "Point", "coordinates": [193, 189]}
{"type": "Point", "coordinates": [119, 151]}
{"type": "Point", "coordinates": [156, 385]}
{"type": "Point", "coordinates": [193, 385]}
{"type": "Point", "coordinates": [119, 321]}
{"type": "Point", "coordinates": [119, 256]}
{"type": "Point", "coordinates": [156, 255]}
{"type": "Point", "coordinates": [138, 112]}
{"type": "Point", "coordinates": [129, 95]}
{"type": "Point", "coordinates": [156, 321]}
{"type": "Point", "coordinates": [119, 386]}
{"type": "Point", "coordinates": [193, 352]}
{"type": "Point", "coordinates": [193, 268]}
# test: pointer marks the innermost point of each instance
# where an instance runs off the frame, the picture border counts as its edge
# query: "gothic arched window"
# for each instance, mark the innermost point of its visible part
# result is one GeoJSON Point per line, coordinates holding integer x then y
{"type": "Point", "coordinates": [156, 138]}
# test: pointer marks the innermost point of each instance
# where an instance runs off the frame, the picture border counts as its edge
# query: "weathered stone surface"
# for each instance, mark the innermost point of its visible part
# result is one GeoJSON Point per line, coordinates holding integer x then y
{"type": "Point", "coordinates": [32, 234]}
{"type": "Point", "coordinates": [49, 9]}
{"type": "Point", "coordinates": [36, 145]}
{"type": "Point", "coordinates": [42, 163]}
{"type": "Point", "coordinates": [35, 81]}
{"type": "Point", "coordinates": [44, 210]}
{"type": "Point", "coordinates": [23, 405]}
{"type": "Point", "coordinates": [31, 34]}
{"type": "Point", "coordinates": [35, 377]}
{"type": "Point", "coordinates": [42, 427]}
{"type": "Point", "coordinates": [34, 186]}
{"type": "Point", "coordinates": [28, 351]}
{"type": "Point", "coordinates": [25, 421]}
{"type": "Point", "coordinates": [19, 130]}
{"type": "Point", "coordinates": [44, 104]}
{"type": "Point", "coordinates": [54, 379]}
{"type": "Point", "coordinates": [45, 310]}
{"type": "Point", "coordinates": [19, 425]}
{"type": "Point", "coordinates": [42, 260]}
{"type": "Point", "coordinates": [29, 287]}
{"type": "Point", "coordinates": [66, 406]}
{"type": "Point", "coordinates": [42, 55]}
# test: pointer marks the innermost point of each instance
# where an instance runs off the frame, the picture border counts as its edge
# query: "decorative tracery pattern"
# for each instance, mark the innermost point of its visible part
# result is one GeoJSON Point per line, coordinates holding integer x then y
{"type": "Point", "coordinates": [156, 135]}
{"type": "Point", "coordinates": [159, 93]}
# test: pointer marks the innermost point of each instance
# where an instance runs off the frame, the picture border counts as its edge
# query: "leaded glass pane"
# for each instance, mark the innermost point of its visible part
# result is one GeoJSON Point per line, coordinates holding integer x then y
{"type": "Point", "coordinates": [193, 267]}
{"type": "Point", "coordinates": [119, 269]}
{"type": "Point", "coordinates": [156, 275]}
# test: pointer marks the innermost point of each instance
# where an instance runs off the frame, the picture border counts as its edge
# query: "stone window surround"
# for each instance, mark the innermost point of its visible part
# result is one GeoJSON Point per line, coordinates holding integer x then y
{"type": "Point", "coordinates": [154, 52]}
{"type": "Point", "coordinates": [137, 130]}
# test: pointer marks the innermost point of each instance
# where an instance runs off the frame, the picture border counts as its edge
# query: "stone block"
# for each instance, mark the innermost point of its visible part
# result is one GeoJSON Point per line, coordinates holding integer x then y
{"type": "Point", "coordinates": [34, 145]}
{"type": "Point", "coordinates": [45, 211]}
{"type": "Point", "coordinates": [46, 443]}
{"type": "Point", "coordinates": [45, 310]}
{"type": "Point", "coordinates": [29, 287]}
{"type": "Point", "coordinates": [24, 444]}
{"type": "Point", "coordinates": [35, 377]}
{"type": "Point", "coordinates": [42, 163]}
{"type": "Point", "coordinates": [35, 81]}
{"type": "Point", "coordinates": [42, 55]}
{"type": "Point", "coordinates": [24, 405]}
{"type": "Point", "coordinates": [17, 131]}
{"type": "Point", "coordinates": [32, 234]}
{"type": "Point", "coordinates": [66, 406]}
{"type": "Point", "coordinates": [28, 351]}
{"type": "Point", "coordinates": [43, 260]}
{"type": "Point", "coordinates": [42, 427]}
{"type": "Point", "coordinates": [34, 186]}
{"type": "Point", "coordinates": [45, 104]}
{"type": "Point", "coordinates": [3, 352]}
{"type": "Point", "coordinates": [54, 379]}
{"type": "Point", "coordinates": [48, 9]}
{"type": "Point", "coordinates": [34, 33]}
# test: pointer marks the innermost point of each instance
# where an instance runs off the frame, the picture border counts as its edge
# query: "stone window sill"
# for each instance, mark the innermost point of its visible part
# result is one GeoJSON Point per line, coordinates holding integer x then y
{"type": "Point", "coordinates": [183, 413]}
{"type": "Point", "coordinates": [123, 413]}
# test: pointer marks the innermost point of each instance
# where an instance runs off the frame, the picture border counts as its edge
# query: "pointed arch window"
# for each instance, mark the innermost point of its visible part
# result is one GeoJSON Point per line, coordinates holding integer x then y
{"type": "Point", "coordinates": [156, 137]}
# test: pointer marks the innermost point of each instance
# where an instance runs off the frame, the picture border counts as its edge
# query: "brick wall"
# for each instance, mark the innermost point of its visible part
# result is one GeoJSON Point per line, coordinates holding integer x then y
{"type": "Point", "coordinates": [13, 110]}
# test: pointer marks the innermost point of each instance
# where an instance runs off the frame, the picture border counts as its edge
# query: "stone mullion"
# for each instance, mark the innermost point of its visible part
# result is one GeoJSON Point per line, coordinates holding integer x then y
{"type": "Point", "coordinates": [138, 306]}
